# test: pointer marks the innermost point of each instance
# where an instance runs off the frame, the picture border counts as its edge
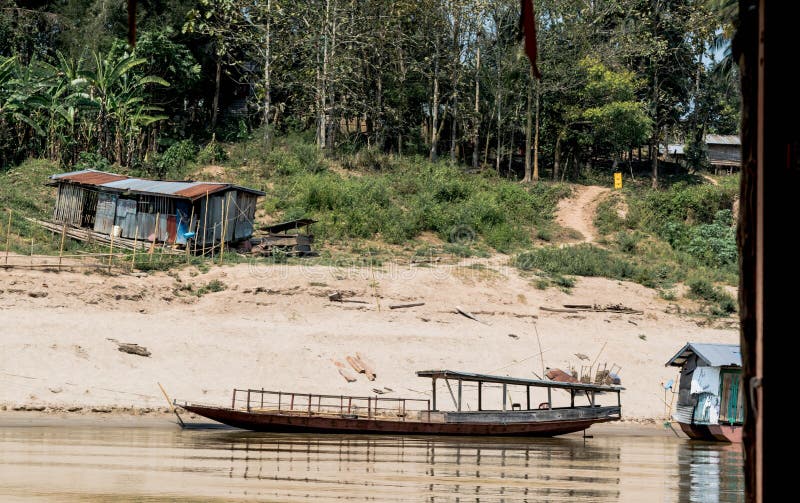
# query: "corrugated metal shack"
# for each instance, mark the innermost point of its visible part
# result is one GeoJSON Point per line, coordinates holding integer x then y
{"type": "Point", "coordinates": [171, 212]}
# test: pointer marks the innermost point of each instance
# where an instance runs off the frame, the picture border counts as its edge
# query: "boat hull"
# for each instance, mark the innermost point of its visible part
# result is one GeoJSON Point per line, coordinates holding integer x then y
{"type": "Point", "coordinates": [713, 432]}
{"type": "Point", "coordinates": [274, 422]}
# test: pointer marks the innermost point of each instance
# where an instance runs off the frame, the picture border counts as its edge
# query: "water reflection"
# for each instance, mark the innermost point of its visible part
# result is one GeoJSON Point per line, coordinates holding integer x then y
{"type": "Point", "coordinates": [711, 472]}
{"type": "Point", "coordinates": [436, 469]}
{"type": "Point", "coordinates": [130, 464]}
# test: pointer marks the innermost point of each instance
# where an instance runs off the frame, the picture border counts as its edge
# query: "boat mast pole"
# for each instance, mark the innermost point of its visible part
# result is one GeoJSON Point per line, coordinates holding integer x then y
{"type": "Point", "coordinates": [433, 385]}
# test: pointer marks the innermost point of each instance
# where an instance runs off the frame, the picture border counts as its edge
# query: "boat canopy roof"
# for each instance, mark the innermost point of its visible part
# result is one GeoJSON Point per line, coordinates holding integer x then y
{"type": "Point", "coordinates": [516, 381]}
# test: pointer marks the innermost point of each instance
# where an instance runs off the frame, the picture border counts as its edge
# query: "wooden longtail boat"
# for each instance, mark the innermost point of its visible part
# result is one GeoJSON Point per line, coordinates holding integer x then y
{"type": "Point", "coordinates": [277, 411]}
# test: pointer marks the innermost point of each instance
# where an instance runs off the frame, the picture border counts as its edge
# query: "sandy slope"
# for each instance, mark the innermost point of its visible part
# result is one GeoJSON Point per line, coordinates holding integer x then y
{"type": "Point", "coordinates": [577, 212]}
{"type": "Point", "coordinates": [274, 327]}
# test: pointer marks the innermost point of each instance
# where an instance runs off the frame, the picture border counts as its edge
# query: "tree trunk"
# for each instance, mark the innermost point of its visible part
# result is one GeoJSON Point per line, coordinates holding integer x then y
{"type": "Point", "coordinates": [453, 128]}
{"type": "Point", "coordinates": [536, 135]}
{"type": "Point", "coordinates": [557, 158]}
{"type": "Point", "coordinates": [477, 119]}
{"type": "Point", "coordinates": [656, 133]}
{"type": "Point", "coordinates": [528, 132]}
{"type": "Point", "coordinates": [215, 104]}
{"type": "Point", "coordinates": [499, 117]}
{"type": "Point", "coordinates": [510, 153]}
{"type": "Point", "coordinates": [433, 156]}
{"type": "Point", "coordinates": [454, 82]}
{"type": "Point", "coordinates": [486, 149]}
{"type": "Point", "coordinates": [267, 89]}
{"type": "Point", "coordinates": [322, 84]}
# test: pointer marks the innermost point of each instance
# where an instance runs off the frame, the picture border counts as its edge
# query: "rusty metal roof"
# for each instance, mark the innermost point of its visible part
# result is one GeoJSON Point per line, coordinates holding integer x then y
{"type": "Point", "coordinates": [121, 183]}
{"type": "Point", "coordinates": [714, 355]}
{"type": "Point", "coordinates": [89, 177]}
{"type": "Point", "coordinates": [200, 189]}
{"type": "Point", "coordinates": [719, 139]}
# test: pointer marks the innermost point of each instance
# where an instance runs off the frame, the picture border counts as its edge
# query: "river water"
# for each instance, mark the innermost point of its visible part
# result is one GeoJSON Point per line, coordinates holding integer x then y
{"type": "Point", "coordinates": [73, 462]}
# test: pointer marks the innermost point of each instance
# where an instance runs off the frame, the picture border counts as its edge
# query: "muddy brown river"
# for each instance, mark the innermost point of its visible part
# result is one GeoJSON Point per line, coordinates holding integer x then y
{"type": "Point", "coordinates": [71, 461]}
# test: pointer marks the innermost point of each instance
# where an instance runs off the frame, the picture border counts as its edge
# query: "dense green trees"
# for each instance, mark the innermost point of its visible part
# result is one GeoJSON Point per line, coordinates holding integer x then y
{"type": "Point", "coordinates": [435, 77]}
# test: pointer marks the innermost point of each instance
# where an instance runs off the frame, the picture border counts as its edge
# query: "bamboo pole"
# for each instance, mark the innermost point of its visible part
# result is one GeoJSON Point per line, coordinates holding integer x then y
{"type": "Point", "coordinates": [213, 240]}
{"type": "Point", "coordinates": [110, 249]}
{"type": "Point", "coordinates": [8, 234]}
{"type": "Point", "coordinates": [196, 235]}
{"type": "Point", "coordinates": [135, 240]}
{"type": "Point", "coordinates": [226, 212]}
{"type": "Point", "coordinates": [205, 226]}
{"type": "Point", "coordinates": [189, 227]}
{"type": "Point", "coordinates": [155, 235]}
{"type": "Point", "coordinates": [61, 247]}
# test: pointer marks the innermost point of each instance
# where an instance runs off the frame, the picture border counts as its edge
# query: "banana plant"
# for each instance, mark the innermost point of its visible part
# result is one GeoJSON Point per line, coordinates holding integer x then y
{"type": "Point", "coordinates": [114, 90]}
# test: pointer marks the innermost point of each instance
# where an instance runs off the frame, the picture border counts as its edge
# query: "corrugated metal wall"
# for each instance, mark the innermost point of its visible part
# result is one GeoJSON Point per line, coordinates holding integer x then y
{"type": "Point", "coordinates": [106, 211]}
{"type": "Point", "coordinates": [724, 153]}
{"type": "Point", "coordinates": [211, 220]}
{"type": "Point", "coordinates": [126, 218]}
{"type": "Point", "coordinates": [245, 215]}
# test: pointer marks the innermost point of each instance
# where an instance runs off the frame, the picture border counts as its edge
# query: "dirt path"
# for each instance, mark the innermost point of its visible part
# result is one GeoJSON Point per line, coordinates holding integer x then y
{"type": "Point", "coordinates": [578, 211]}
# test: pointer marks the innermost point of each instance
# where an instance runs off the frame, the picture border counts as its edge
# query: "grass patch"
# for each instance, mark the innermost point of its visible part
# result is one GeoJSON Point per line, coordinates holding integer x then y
{"type": "Point", "coordinates": [589, 260]}
{"type": "Point", "coordinates": [396, 199]}
{"type": "Point", "coordinates": [607, 219]}
{"type": "Point", "coordinates": [721, 303]}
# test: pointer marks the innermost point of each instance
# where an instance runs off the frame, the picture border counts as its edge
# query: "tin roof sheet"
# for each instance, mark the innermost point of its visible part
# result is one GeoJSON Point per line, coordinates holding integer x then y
{"type": "Point", "coordinates": [89, 177]}
{"type": "Point", "coordinates": [719, 139]}
{"type": "Point", "coordinates": [714, 355]}
{"type": "Point", "coordinates": [122, 183]}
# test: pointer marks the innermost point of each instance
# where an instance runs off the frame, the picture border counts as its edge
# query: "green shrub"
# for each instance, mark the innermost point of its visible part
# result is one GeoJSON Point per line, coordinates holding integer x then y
{"type": "Point", "coordinates": [173, 161]}
{"type": "Point", "coordinates": [627, 241]}
{"type": "Point", "coordinates": [715, 243]}
{"type": "Point", "coordinates": [212, 153]}
{"type": "Point", "coordinates": [722, 302]}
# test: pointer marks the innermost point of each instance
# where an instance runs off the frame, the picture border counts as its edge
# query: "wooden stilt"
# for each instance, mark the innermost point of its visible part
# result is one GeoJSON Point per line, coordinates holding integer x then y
{"type": "Point", "coordinates": [8, 234]}
{"type": "Point", "coordinates": [61, 246]}
{"type": "Point", "coordinates": [135, 239]}
{"type": "Point", "coordinates": [155, 236]}
{"type": "Point", "coordinates": [226, 211]}
{"type": "Point", "coordinates": [189, 227]}
{"type": "Point", "coordinates": [110, 249]}
{"type": "Point", "coordinates": [213, 242]}
{"type": "Point", "coordinates": [205, 226]}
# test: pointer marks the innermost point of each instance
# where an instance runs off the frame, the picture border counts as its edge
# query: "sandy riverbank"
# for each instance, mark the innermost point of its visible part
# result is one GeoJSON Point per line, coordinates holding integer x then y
{"type": "Point", "coordinates": [274, 327]}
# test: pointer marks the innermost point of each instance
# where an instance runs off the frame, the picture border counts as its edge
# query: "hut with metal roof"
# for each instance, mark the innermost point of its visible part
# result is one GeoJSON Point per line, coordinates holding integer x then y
{"type": "Point", "coordinates": [710, 392]}
{"type": "Point", "coordinates": [172, 212]}
{"type": "Point", "coordinates": [724, 151]}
